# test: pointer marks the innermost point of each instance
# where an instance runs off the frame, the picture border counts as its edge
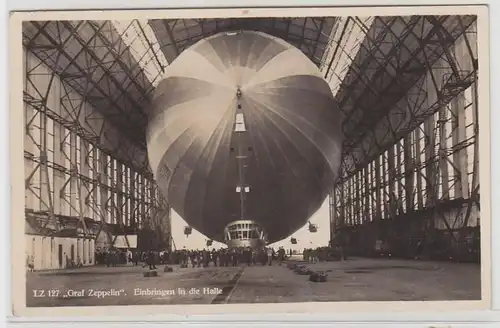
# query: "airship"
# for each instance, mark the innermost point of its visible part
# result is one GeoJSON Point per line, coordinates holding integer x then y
{"type": "Point", "coordinates": [244, 138]}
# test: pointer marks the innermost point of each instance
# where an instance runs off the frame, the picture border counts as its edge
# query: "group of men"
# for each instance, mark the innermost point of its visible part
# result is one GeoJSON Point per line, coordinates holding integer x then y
{"type": "Point", "coordinates": [224, 257]}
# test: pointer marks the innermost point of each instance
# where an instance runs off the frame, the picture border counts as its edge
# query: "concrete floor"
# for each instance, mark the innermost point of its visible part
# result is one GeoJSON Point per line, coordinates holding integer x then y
{"type": "Point", "coordinates": [353, 280]}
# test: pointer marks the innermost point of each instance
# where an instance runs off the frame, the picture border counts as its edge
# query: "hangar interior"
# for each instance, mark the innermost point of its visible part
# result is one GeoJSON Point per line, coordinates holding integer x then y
{"type": "Point", "coordinates": [409, 182]}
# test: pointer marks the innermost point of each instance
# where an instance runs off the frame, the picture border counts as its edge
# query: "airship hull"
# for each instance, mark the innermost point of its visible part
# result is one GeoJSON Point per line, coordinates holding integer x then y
{"type": "Point", "coordinates": [290, 144]}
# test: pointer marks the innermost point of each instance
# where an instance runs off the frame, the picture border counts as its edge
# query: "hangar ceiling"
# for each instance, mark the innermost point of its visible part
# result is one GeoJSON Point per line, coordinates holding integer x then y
{"type": "Point", "coordinates": [116, 65]}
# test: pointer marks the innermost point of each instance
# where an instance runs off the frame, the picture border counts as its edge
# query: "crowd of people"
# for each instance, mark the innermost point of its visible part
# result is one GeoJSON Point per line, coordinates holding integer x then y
{"type": "Point", "coordinates": [112, 257]}
{"type": "Point", "coordinates": [222, 257]}
{"type": "Point", "coordinates": [228, 257]}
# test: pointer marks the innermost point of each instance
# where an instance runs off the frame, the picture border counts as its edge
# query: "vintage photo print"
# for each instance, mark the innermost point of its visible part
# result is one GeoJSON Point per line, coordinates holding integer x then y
{"type": "Point", "coordinates": [257, 160]}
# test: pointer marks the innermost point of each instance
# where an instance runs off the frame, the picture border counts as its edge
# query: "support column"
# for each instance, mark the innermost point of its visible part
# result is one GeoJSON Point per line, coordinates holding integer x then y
{"type": "Point", "coordinates": [85, 186]}
{"type": "Point", "coordinates": [409, 143]}
{"type": "Point", "coordinates": [458, 136]}
{"type": "Point", "coordinates": [133, 198]}
{"type": "Point", "coordinates": [418, 164]}
{"type": "Point", "coordinates": [392, 182]}
{"type": "Point", "coordinates": [333, 214]}
{"type": "Point", "coordinates": [378, 198]}
{"type": "Point", "coordinates": [430, 172]}
{"type": "Point", "coordinates": [442, 154]}
{"type": "Point", "coordinates": [367, 195]}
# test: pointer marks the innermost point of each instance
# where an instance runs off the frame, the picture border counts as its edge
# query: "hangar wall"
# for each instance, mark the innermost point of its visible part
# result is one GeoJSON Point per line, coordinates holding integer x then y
{"type": "Point", "coordinates": [424, 189]}
{"type": "Point", "coordinates": [79, 166]}
{"type": "Point", "coordinates": [46, 253]}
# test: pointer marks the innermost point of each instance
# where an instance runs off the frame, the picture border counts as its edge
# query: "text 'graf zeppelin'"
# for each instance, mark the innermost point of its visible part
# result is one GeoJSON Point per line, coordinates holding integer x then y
{"type": "Point", "coordinates": [82, 292]}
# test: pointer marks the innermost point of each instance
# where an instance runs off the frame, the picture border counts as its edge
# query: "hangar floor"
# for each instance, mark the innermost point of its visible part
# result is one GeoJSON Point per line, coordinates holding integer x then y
{"type": "Point", "coordinates": [353, 280]}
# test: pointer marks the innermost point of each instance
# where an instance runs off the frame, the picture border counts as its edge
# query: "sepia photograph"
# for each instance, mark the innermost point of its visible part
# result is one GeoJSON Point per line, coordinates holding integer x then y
{"type": "Point", "coordinates": [250, 159]}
